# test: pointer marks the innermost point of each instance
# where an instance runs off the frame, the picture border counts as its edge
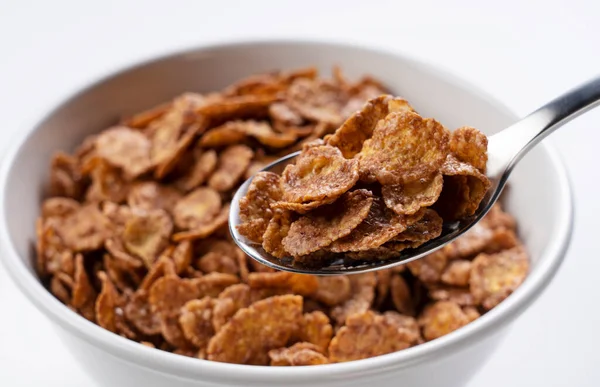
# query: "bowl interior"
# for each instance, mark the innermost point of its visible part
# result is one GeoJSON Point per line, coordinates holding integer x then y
{"type": "Point", "coordinates": [535, 187]}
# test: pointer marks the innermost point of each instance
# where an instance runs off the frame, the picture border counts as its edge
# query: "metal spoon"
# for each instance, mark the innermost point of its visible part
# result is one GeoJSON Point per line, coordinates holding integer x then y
{"type": "Point", "coordinates": [505, 150]}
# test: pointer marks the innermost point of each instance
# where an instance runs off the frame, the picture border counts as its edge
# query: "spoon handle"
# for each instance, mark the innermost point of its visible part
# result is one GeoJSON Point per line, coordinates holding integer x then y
{"type": "Point", "coordinates": [511, 144]}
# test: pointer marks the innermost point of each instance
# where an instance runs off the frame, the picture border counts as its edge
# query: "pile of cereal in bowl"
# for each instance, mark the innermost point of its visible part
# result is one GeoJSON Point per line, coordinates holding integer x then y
{"type": "Point", "coordinates": [134, 236]}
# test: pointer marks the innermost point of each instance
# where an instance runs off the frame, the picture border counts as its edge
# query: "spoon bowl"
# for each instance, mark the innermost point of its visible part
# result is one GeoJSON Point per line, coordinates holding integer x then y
{"type": "Point", "coordinates": [505, 150]}
{"type": "Point", "coordinates": [450, 231]}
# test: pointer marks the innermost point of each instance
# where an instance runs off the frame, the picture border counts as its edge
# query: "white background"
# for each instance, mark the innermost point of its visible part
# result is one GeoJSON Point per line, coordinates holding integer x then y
{"type": "Point", "coordinates": [522, 52]}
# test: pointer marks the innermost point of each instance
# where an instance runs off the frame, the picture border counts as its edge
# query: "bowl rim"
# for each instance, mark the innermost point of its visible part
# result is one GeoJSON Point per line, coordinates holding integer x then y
{"type": "Point", "coordinates": [183, 367]}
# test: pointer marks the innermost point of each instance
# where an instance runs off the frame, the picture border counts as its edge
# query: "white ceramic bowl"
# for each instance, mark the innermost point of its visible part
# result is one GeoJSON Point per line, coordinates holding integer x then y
{"type": "Point", "coordinates": [539, 197]}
